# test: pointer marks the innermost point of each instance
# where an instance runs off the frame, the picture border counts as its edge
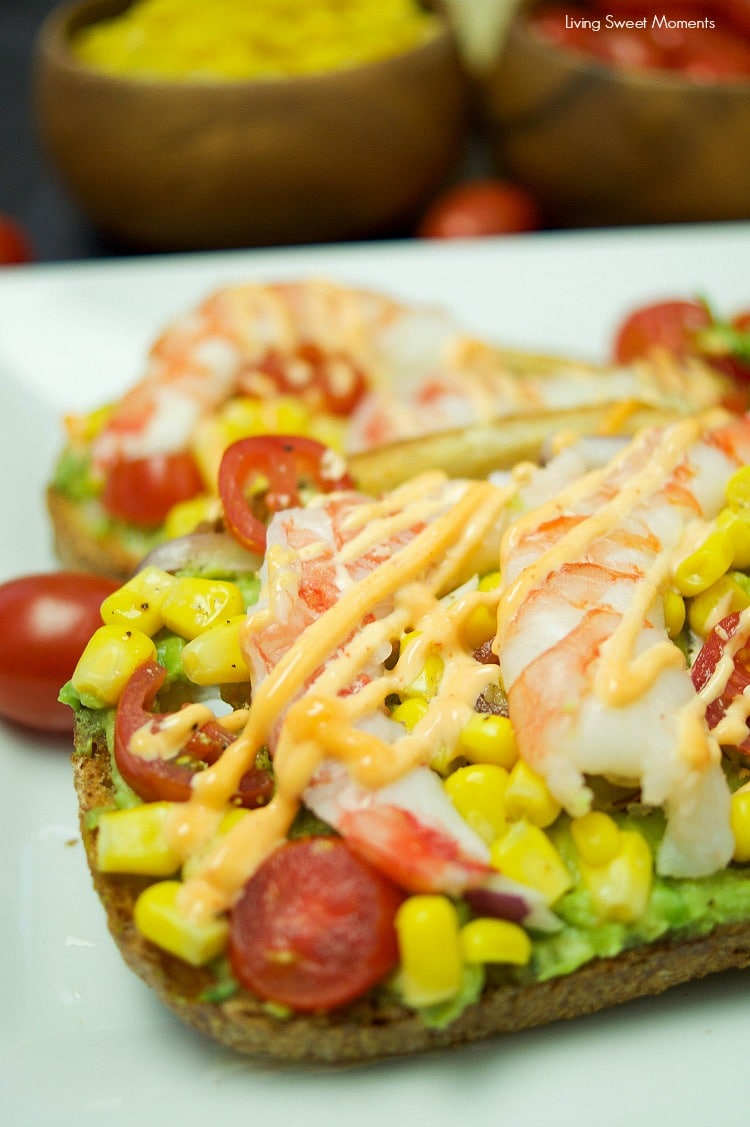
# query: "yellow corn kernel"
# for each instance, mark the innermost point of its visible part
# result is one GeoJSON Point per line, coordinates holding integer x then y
{"type": "Point", "coordinates": [494, 941]}
{"type": "Point", "coordinates": [430, 950]}
{"type": "Point", "coordinates": [706, 564]}
{"type": "Point", "coordinates": [243, 416]}
{"type": "Point", "coordinates": [111, 657]}
{"type": "Point", "coordinates": [85, 428]}
{"type": "Point", "coordinates": [487, 738]}
{"type": "Point", "coordinates": [159, 919]}
{"type": "Point", "coordinates": [529, 797]}
{"type": "Point", "coordinates": [620, 888]}
{"type": "Point", "coordinates": [740, 822]}
{"type": "Point", "coordinates": [674, 612]}
{"type": "Point", "coordinates": [721, 598]}
{"type": "Point", "coordinates": [478, 793]}
{"type": "Point", "coordinates": [194, 605]}
{"type": "Point", "coordinates": [215, 656]}
{"type": "Point", "coordinates": [209, 440]}
{"type": "Point", "coordinates": [427, 682]}
{"type": "Point", "coordinates": [596, 837]}
{"type": "Point", "coordinates": [526, 854]}
{"type": "Point", "coordinates": [479, 625]}
{"type": "Point", "coordinates": [290, 416]}
{"type": "Point", "coordinates": [331, 431]}
{"type": "Point", "coordinates": [490, 581]}
{"type": "Point", "coordinates": [410, 711]}
{"type": "Point", "coordinates": [134, 841]}
{"type": "Point", "coordinates": [184, 517]}
{"type": "Point", "coordinates": [737, 489]}
{"type": "Point", "coordinates": [737, 523]}
{"type": "Point", "coordinates": [138, 602]}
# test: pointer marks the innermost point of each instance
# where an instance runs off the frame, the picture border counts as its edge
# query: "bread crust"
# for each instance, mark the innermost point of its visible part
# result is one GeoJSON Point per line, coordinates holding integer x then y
{"type": "Point", "coordinates": [375, 1027]}
{"type": "Point", "coordinates": [77, 547]}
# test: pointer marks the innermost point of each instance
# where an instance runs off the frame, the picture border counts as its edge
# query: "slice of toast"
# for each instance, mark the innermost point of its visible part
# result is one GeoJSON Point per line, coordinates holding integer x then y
{"type": "Point", "coordinates": [376, 1026]}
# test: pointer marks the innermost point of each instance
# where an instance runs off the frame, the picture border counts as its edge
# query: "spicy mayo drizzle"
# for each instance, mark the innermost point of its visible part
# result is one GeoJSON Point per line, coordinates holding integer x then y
{"type": "Point", "coordinates": [319, 720]}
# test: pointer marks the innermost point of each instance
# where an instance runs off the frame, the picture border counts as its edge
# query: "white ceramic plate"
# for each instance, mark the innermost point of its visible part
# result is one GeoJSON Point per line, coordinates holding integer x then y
{"type": "Point", "coordinates": [83, 1041]}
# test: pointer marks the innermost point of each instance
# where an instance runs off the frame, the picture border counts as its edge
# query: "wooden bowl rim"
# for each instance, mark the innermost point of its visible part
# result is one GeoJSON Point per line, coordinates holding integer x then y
{"type": "Point", "coordinates": [582, 63]}
{"type": "Point", "coordinates": [54, 36]}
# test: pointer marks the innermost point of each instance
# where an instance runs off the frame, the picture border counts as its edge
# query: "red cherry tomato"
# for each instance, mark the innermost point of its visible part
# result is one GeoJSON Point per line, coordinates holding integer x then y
{"type": "Point", "coordinates": [170, 779]}
{"type": "Point", "coordinates": [736, 14]}
{"type": "Point", "coordinates": [142, 490]}
{"type": "Point", "coordinates": [481, 207]}
{"type": "Point", "coordinates": [703, 54]}
{"type": "Point", "coordinates": [705, 663]}
{"type": "Point", "coordinates": [331, 381]}
{"type": "Point", "coordinates": [47, 620]}
{"type": "Point", "coordinates": [15, 247]}
{"type": "Point", "coordinates": [669, 325]}
{"type": "Point", "coordinates": [279, 464]}
{"type": "Point", "coordinates": [624, 9]}
{"type": "Point", "coordinates": [314, 927]}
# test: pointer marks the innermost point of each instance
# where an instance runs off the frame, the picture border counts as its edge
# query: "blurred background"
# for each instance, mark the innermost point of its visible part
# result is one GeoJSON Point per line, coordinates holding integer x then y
{"type": "Point", "coordinates": [584, 125]}
{"type": "Point", "coordinates": [29, 190]}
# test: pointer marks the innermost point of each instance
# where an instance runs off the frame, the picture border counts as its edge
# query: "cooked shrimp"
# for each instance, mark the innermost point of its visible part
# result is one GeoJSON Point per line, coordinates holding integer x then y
{"type": "Point", "coordinates": [366, 775]}
{"type": "Point", "coordinates": [315, 339]}
{"type": "Point", "coordinates": [595, 686]}
{"type": "Point", "coordinates": [393, 370]}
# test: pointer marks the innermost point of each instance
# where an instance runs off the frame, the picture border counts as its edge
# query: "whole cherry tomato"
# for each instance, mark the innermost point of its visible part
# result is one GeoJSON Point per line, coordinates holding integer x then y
{"type": "Point", "coordinates": [15, 246]}
{"type": "Point", "coordinates": [736, 14]}
{"type": "Point", "coordinates": [480, 207]}
{"type": "Point", "coordinates": [47, 621]}
{"type": "Point", "coordinates": [714, 56]}
{"type": "Point", "coordinates": [667, 325]}
{"type": "Point", "coordinates": [142, 490]}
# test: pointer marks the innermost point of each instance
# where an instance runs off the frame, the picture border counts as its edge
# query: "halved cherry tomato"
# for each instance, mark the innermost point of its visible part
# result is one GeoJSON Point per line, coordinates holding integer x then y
{"type": "Point", "coordinates": [331, 381]}
{"type": "Point", "coordinates": [170, 779]}
{"type": "Point", "coordinates": [314, 927]}
{"type": "Point", "coordinates": [279, 465]}
{"type": "Point", "coordinates": [47, 619]}
{"type": "Point", "coordinates": [142, 490]}
{"type": "Point", "coordinates": [480, 207]}
{"type": "Point", "coordinates": [668, 325]}
{"type": "Point", "coordinates": [705, 663]}
{"type": "Point", "coordinates": [15, 247]}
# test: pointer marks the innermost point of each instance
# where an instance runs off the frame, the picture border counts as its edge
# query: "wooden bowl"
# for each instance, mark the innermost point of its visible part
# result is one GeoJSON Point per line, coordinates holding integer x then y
{"type": "Point", "coordinates": [188, 166]}
{"type": "Point", "coordinates": [602, 146]}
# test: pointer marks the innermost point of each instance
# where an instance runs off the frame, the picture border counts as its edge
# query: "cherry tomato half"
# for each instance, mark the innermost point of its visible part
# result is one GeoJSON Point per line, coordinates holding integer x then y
{"type": "Point", "coordinates": [705, 663]}
{"type": "Point", "coordinates": [15, 247]}
{"type": "Point", "coordinates": [47, 619]}
{"type": "Point", "coordinates": [142, 490]}
{"type": "Point", "coordinates": [330, 381]}
{"type": "Point", "coordinates": [314, 927]}
{"type": "Point", "coordinates": [480, 207]}
{"type": "Point", "coordinates": [668, 325]}
{"type": "Point", "coordinates": [170, 779]}
{"type": "Point", "coordinates": [278, 464]}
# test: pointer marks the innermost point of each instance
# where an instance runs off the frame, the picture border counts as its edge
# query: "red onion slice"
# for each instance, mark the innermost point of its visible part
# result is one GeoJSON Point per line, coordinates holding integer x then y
{"type": "Point", "coordinates": [200, 550]}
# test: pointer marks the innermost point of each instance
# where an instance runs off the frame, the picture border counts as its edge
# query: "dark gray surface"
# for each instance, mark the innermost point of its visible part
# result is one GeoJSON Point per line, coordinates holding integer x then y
{"type": "Point", "coordinates": [29, 188]}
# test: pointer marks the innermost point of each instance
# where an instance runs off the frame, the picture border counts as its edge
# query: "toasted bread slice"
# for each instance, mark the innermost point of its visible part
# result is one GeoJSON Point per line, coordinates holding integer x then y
{"type": "Point", "coordinates": [86, 540]}
{"type": "Point", "coordinates": [376, 1026]}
